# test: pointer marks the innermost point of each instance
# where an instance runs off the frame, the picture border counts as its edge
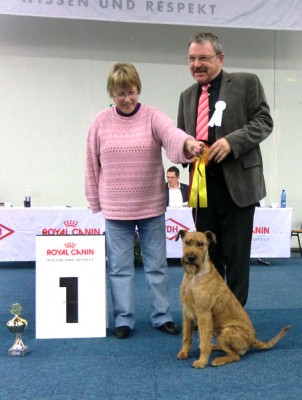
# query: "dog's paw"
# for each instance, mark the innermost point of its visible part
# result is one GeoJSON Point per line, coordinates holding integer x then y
{"type": "Point", "coordinates": [182, 355]}
{"type": "Point", "coordinates": [199, 364]}
{"type": "Point", "coordinates": [220, 361]}
{"type": "Point", "coordinates": [217, 362]}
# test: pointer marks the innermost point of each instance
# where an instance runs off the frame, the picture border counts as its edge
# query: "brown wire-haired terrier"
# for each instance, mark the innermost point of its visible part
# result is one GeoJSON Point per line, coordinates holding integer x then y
{"type": "Point", "coordinates": [207, 300]}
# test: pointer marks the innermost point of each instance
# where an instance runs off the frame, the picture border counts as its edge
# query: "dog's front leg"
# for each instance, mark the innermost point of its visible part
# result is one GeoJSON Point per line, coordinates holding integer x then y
{"type": "Point", "coordinates": [205, 330]}
{"type": "Point", "coordinates": [187, 333]}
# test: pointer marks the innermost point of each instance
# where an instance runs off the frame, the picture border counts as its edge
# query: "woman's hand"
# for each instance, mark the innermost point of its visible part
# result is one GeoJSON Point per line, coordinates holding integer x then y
{"type": "Point", "coordinates": [194, 147]}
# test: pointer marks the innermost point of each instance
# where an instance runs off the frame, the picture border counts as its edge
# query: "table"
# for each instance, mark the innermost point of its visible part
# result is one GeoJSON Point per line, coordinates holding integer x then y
{"type": "Point", "coordinates": [19, 227]}
{"type": "Point", "coordinates": [271, 231]}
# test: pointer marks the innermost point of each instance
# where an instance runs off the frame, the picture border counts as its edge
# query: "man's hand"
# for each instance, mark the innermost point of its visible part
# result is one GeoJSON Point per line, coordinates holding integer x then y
{"type": "Point", "coordinates": [219, 150]}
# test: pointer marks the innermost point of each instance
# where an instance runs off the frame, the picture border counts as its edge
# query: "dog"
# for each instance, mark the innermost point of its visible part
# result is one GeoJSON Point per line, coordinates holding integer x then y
{"type": "Point", "coordinates": [207, 300]}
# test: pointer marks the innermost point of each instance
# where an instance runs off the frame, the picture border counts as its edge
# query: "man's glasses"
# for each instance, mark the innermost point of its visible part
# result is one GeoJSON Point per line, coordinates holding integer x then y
{"type": "Point", "coordinates": [201, 59]}
{"type": "Point", "coordinates": [171, 177]}
{"type": "Point", "coordinates": [123, 96]}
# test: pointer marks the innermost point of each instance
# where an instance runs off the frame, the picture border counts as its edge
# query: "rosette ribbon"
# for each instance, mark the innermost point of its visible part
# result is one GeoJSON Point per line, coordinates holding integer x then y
{"type": "Point", "coordinates": [216, 119]}
{"type": "Point", "coordinates": [198, 184]}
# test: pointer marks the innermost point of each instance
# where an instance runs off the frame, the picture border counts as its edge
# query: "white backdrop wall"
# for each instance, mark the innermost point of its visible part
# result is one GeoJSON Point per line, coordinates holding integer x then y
{"type": "Point", "coordinates": [53, 76]}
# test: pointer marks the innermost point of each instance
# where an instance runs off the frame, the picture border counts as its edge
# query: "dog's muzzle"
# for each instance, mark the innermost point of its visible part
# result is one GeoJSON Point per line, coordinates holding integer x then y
{"type": "Point", "coordinates": [189, 258]}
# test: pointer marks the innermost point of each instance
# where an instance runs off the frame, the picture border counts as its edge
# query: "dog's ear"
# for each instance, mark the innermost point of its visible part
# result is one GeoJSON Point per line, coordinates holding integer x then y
{"type": "Point", "coordinates": [181, 234]}
{"type": "Point", "coordinates": [210, 236]}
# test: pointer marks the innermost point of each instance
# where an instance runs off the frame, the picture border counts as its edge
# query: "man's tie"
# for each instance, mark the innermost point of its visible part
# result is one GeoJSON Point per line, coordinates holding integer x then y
{"type": "Point", "coordinates": [203, 114]}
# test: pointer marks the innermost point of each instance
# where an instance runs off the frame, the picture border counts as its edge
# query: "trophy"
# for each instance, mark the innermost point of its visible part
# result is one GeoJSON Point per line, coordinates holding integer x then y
{"type": "Point", "coordinates": [17, 325]}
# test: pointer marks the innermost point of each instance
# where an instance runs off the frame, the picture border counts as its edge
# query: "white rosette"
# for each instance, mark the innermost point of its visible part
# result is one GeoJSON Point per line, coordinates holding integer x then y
{"type": "Point", "coordinates": [216, 119]}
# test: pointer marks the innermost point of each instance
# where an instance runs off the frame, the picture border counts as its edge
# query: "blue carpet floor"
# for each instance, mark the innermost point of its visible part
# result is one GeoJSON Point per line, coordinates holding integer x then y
{"type": "Point", "coordinates": [145, 365]}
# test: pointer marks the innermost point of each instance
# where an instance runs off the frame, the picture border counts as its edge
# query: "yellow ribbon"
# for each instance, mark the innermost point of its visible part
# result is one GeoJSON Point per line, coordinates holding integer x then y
{"type": "Point", "coordinates": [198, 192]}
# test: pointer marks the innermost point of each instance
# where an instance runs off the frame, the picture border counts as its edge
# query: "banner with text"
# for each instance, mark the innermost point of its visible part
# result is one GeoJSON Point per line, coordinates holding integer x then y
{"type": "Point", "coordinates": [259, 14]}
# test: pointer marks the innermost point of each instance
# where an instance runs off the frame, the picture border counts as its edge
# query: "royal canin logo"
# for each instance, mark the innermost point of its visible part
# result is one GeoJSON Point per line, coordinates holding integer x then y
{"type": "Point", "coordinates": [71, 223]}
{"type": "Point", "coordinates": [5, 231]}
{"type": "Point", "coordinates": [71, 228]}
{"type": "Point", "coordinates": [173, 227]}
{"type": "Point", "coordinates": [70, 250]}
{"type": "Point", "coordinates": [265, 230]}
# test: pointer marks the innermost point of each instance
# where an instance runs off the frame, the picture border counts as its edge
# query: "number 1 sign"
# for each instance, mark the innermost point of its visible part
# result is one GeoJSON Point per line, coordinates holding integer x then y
{"type": "Point", "coordinates": [70, 286]}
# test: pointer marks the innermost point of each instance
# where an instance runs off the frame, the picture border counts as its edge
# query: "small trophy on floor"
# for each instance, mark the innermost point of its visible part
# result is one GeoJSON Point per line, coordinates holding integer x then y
{"type": "Point", "coordinates": [17, 325]}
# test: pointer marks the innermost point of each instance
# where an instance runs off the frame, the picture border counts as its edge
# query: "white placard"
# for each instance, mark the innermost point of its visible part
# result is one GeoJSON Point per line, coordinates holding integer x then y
{"type": "Point", "coordinates": [272, 232]}
{"type": "Point", "coordinates": [70, 286]}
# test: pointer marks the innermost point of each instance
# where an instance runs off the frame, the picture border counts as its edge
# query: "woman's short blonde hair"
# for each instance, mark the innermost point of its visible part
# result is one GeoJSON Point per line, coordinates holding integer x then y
{"type": "Point", "coordinates": [123, 76]}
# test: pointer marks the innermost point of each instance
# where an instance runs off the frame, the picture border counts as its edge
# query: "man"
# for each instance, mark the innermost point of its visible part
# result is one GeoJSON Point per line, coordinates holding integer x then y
{"type": "Point", "coordinates": [176, 192]}
{"type": "Point", "coordinates": [234, 176]}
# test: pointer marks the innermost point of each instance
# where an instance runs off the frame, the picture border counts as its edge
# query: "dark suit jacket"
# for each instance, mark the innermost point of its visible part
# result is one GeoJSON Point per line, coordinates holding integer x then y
{"type": "Point", "coordinates": [184, 191]}
{"type": "Point", "coordinates": [245, 124]}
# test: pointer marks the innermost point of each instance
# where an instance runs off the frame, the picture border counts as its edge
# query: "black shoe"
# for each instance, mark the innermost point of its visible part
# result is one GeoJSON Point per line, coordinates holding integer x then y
{"type": "Point", "coordinates": [122, 332]}
{"type": "Point", "coordinates": [170, 328]}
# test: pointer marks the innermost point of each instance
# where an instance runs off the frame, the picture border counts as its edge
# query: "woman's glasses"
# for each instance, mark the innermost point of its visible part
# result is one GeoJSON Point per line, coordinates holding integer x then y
{"type": "Point", "coordinates": [123, 96]}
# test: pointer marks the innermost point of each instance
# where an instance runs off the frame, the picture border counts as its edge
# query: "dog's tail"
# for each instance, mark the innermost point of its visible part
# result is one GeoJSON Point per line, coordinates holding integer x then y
{"type": "Point", "coordinates": [259, 344]}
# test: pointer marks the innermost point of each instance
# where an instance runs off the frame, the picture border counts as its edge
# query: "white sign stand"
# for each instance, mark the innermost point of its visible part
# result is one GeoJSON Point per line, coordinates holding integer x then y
{"type": "Point", "coordinates": [70, 286]}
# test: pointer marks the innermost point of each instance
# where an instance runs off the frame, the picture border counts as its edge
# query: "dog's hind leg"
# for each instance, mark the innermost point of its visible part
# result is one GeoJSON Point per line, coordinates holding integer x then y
{"type": "Point", "coordinates": [233, 344]}
{"type": "Point", "coordinates": [231, 356]}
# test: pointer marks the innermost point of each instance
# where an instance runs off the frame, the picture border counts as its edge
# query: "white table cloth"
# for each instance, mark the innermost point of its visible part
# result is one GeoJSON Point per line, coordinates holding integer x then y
{"type": "Point", "coordinates": [19, 227]}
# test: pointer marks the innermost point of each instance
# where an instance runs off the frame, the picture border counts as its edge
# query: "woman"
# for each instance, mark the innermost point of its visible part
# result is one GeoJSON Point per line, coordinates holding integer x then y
{"type": "Point", "coordinates": [125, 179]}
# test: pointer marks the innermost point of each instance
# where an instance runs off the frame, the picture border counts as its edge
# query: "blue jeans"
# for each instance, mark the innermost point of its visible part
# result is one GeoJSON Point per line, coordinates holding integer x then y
{"type": "Point", "coordinates": [121, 271]}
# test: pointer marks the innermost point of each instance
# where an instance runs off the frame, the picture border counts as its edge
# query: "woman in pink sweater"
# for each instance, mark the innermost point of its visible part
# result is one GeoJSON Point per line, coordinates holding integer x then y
{"type": "Point", "coordinates": [125, 180]}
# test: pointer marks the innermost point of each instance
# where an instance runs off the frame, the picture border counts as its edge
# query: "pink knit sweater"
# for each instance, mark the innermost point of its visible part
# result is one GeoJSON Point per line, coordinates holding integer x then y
{"type": "Point", "coordinates": [125, 177]}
